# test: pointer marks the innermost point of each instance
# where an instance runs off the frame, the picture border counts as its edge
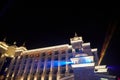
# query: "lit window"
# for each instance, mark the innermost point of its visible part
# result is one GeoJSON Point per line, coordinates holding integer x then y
{"type": "Point", "coordinates": [50, 53]}
{"type": "Point", "coordinates": [37, 55]}
{"type": "Point", "coordinates": [31, 55]}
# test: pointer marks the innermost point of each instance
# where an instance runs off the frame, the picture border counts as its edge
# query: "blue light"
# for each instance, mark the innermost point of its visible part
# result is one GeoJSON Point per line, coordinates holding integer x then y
{"type": "Point", "coordinates": [61, 63]}
{"type": "Point", "coordinates": [113, 67]}
{"type": "Point", "coordinates": [88, 60]}
{"type": "Point", "coordinates": [85, 60]}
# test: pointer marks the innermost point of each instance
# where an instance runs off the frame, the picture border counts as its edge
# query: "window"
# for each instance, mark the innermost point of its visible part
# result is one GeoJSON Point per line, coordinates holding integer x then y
{"type": "Point", "coordinates": [47, 71]}
{"type": "Point", "coordinates": [55, 64]}
{"type": "Point", "coordinates": [48, 64]}
{"type": "Point", "coordinates": [14, 63]}
{"type": "Point", "coordinates": [31, 55]}
{"type": "Point", "coordinates": [70, 71]}
{"type": "Point", "coordinates": [25, 61]}
{"type": "Point", "coordinates": [23, 67]}
{"type": "Point", "coordinates": [56, 58]}
{"type": "Point", "coordinates": [63, 58]}
{"type": "Point", "coordinates": [10, 74]}
{"type": "Point", "coordinates": [43, 54]}
{"type": "Point", "coordinates": [50, 53]}
{"type": "Point", "coordinates": [35, 66]}
{"type": "Point", "coordinates": [15, 73]}
{"type": "Point", "coordinates": [77, 50]}
{"type": "Point", "coordinates": [26, 56]}
{"type": "Point", "coordinates": [41, 65]}
{"type": "Point", "coordinates": [40, 72]}
{"type": "Point", "coordinates": [62, 71]}
{"type": "Point", "coordinates": [42, 59]}
{"type": "Point", "coordinates": [39, 77]}
{"type": "Point", "coordinates": [30, 60]}
{"type": "Point", "coordinates": [13, 68]}
{"type": "Point", "coordinates": [56, 53]}
{"type": "Point", "coordinates": [69, 50]}
{"type": "Point", "coordinates": [21, 73]}
{"type": "Point", "coordinates": [37, 55]}
{"type": "Point", "coordinates": [33, 72]}
{"type": "Point", "coordinates": [81, 51]}
{"type": "Point", "coordinates": [49, 58]}
{"type": "Point", "coordinates": [29, 67]}
{"type": "Point", "coordinates": [55, 71]}
{"type": "Point", "coordinates": [70, 56]}
{"type": "Point", "coordinates": [46, 77]}
{"type": "Point", "coordinates": [63, 52]}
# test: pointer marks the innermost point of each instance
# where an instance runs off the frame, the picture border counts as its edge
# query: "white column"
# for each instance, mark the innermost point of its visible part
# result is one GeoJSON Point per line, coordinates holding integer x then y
{"type": "Point", "coordinates": [51, 67]}
{"type": "Point", "coordinates": [58, 73]}
{"type": "Point", "coordinates": [67, 72]}
{"type": "Point", "coordinates": [43, 75]}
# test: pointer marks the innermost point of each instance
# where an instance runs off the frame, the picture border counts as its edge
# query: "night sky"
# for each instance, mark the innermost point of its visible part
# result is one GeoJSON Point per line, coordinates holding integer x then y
{"type": "Point", "coordinates": [41, 27]}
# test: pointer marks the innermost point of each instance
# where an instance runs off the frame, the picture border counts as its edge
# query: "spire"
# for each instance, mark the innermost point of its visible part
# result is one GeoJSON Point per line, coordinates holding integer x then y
{"type": "Point", "coordinates": [23, 44]}
{"type": "Point", "coordinates": [14, 43]}
{"type": "Point", "coordinates": [76, 34]}
{"type": "Point", "coordinates": [4, 40]}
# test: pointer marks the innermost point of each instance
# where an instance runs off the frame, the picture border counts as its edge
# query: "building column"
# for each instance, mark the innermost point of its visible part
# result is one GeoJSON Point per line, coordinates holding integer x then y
{"type": "Point", "coordinates": [43, 74]}
{"type": "Point", "coordinates": [51, 68]}
{"type": "Point", "coordinates": [67, 72]}
{"type": "Point", "coordinates": [58, 73]}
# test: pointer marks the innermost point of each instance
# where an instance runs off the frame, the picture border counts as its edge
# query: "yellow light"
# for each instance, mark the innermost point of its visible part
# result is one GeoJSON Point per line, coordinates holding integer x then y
{"type": "Point", "coordinates": [106, 42]}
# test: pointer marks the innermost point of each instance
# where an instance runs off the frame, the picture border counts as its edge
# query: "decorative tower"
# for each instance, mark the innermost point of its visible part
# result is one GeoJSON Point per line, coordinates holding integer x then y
{"type": "Point", "coordinates": [85, 62]}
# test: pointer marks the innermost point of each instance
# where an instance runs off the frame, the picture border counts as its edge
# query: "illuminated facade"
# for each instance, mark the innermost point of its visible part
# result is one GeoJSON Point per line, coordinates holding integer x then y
{"type": "Point", "coordinates": [53, 63]}
{"type": "Point", "coordinates": [7, 53]}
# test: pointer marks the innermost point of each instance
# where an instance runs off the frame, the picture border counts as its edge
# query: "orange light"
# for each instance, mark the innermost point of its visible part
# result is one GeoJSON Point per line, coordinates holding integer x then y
{"type": "Point", "coordinates": [106, 42]}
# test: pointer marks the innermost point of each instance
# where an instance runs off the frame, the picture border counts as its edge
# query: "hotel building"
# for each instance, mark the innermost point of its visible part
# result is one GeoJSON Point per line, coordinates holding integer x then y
{"type": "Point", "coordinates": [60, 62]}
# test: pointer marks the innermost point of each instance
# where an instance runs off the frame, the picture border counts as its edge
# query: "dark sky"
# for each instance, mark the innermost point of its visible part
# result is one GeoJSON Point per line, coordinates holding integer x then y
{"type": "Point", "coordinates": [40, 27]}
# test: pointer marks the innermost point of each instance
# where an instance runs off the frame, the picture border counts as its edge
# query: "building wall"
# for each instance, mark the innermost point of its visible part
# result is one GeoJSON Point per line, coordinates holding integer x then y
{"type": "Point", "coordinates": [49, 63]}
{"type": "Point", "coordinates": [42, 64]}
